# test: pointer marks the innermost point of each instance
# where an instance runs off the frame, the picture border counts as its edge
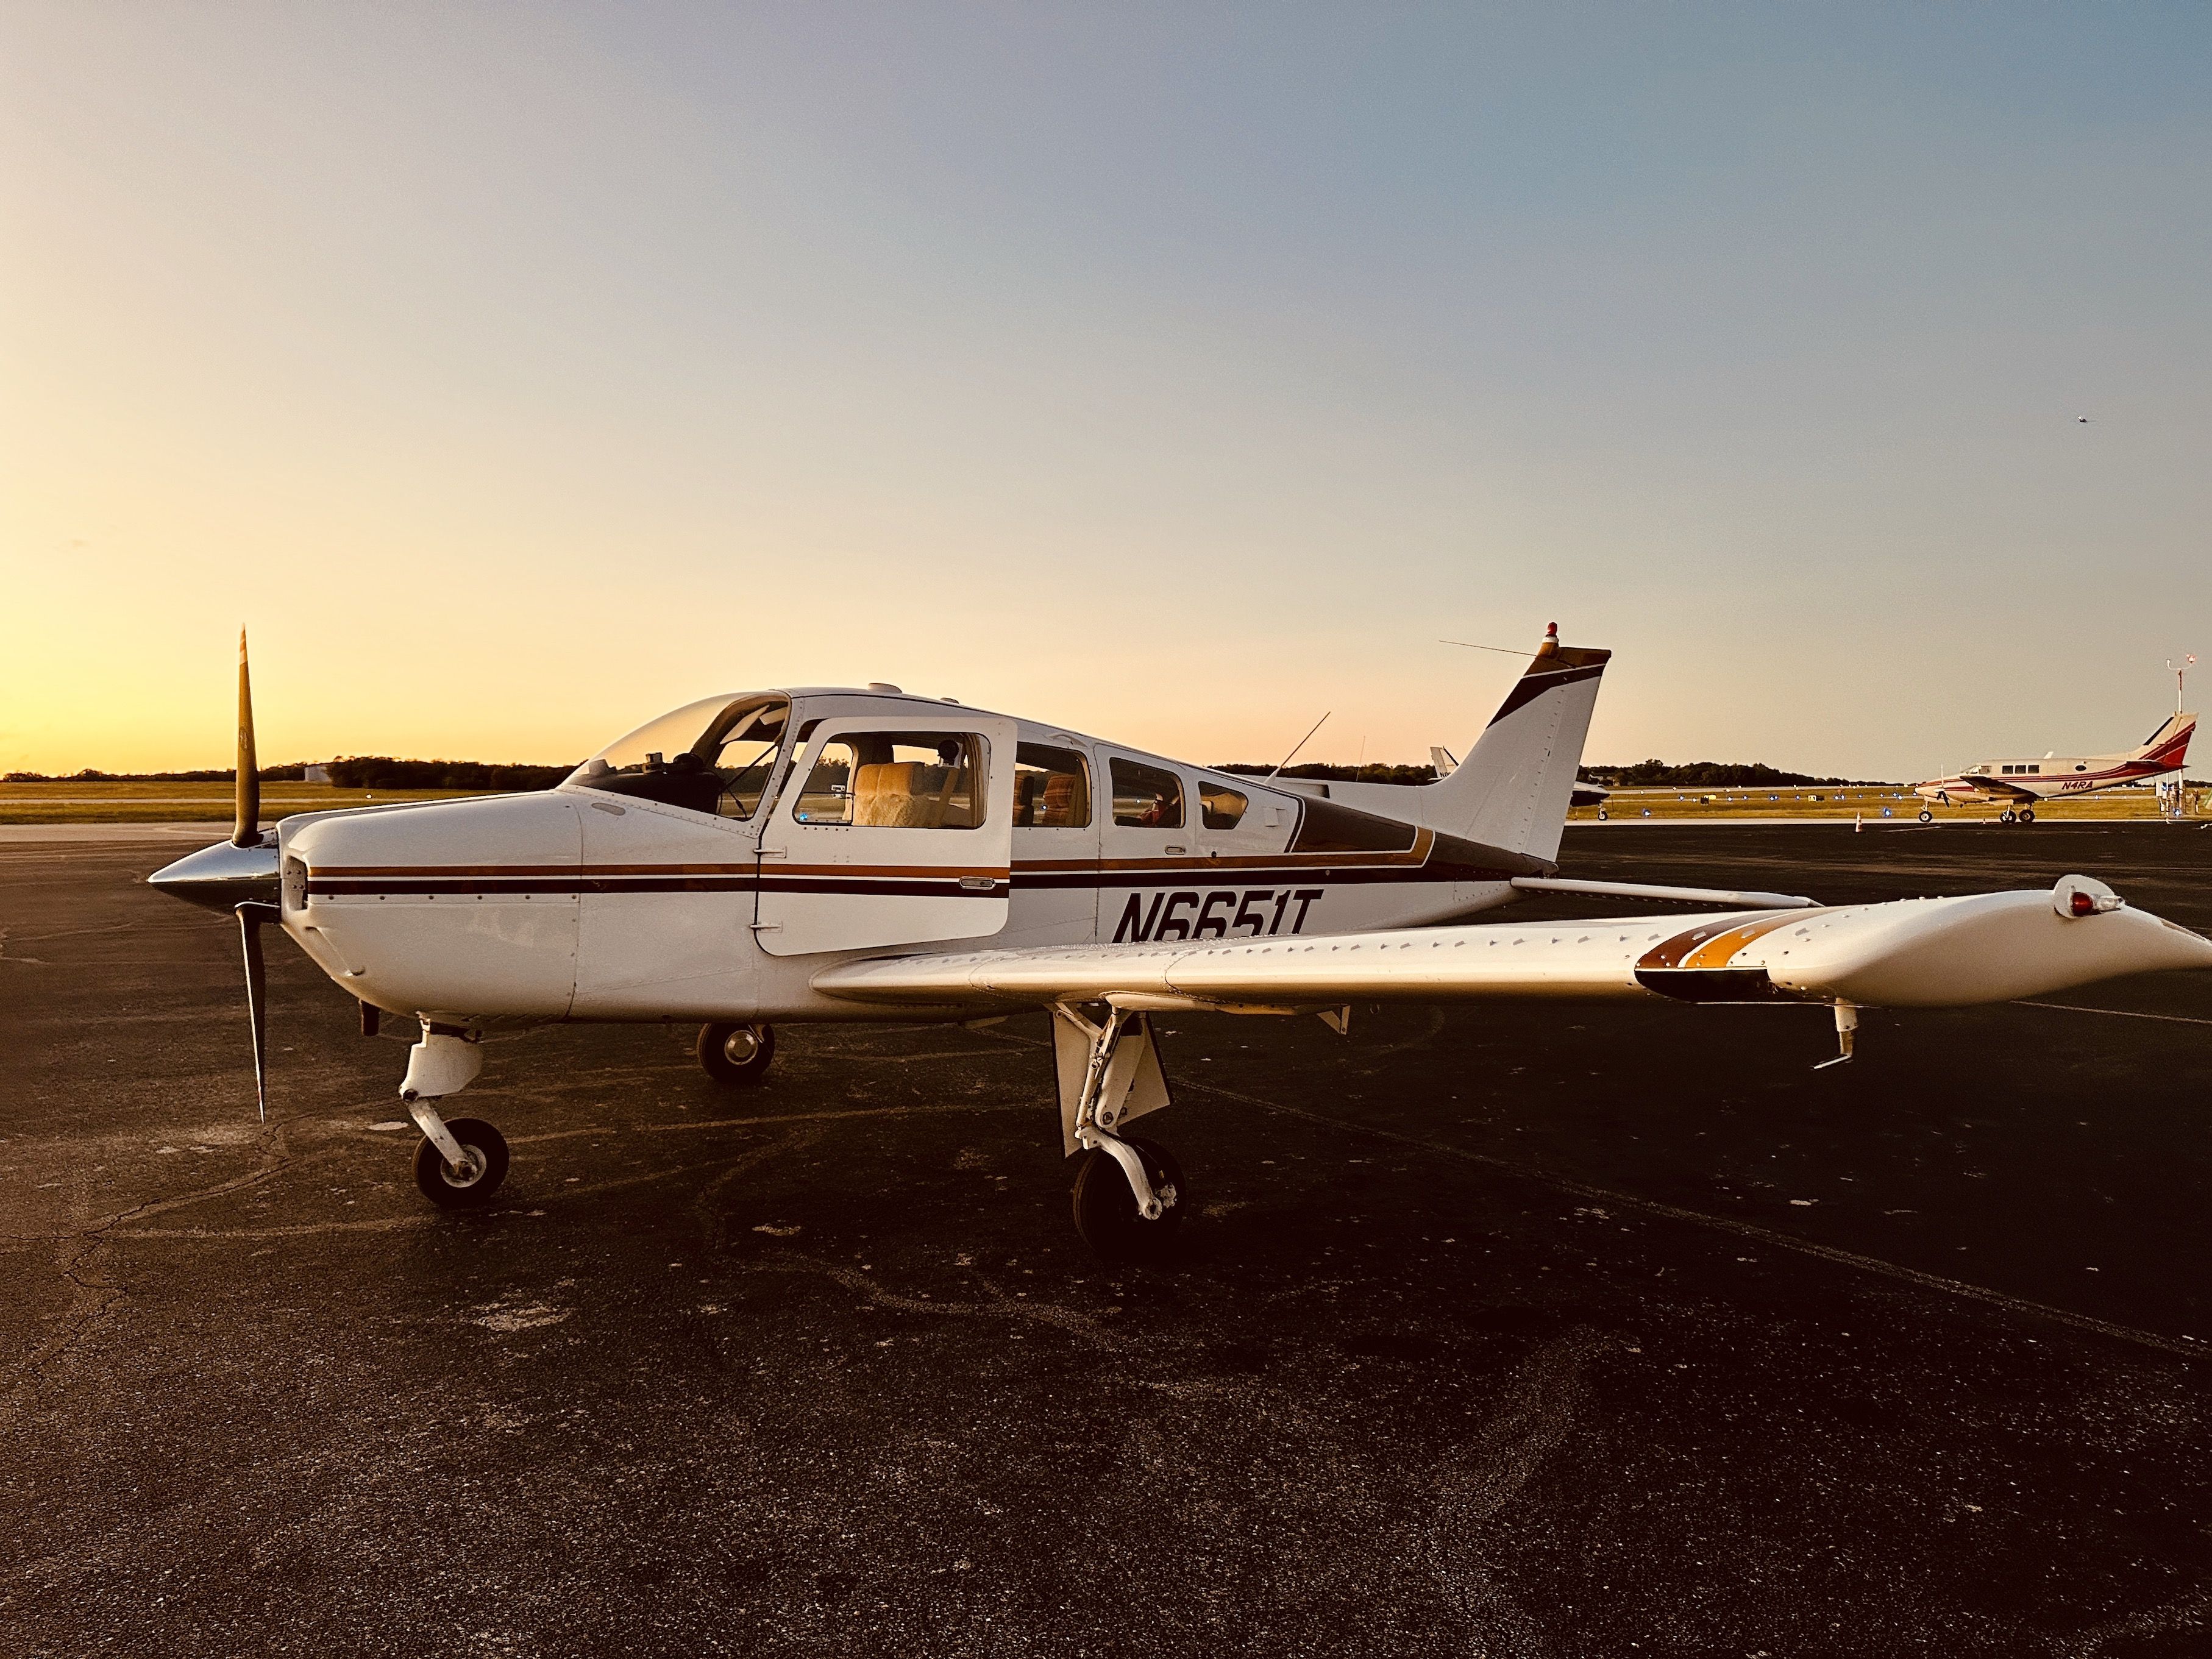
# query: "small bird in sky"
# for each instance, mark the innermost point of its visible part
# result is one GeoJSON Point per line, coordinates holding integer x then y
{"type": "Point", "coordinates": [2082, 420]}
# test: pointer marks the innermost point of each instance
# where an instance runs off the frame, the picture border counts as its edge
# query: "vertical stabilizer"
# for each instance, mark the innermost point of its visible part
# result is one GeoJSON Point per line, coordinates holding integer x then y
{"type": "Point", "coordinates": [2167, 748]}
{"type": "Point", "coordinates": [1512, 789]}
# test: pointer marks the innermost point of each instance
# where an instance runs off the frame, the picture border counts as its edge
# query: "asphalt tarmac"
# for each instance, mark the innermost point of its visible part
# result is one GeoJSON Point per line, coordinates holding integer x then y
{"type": "Point", "coordinates": [1540, 1330]}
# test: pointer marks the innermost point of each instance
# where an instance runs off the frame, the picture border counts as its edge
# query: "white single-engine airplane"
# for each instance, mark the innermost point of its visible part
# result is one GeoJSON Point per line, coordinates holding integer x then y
{"type": "Point", "coordinates": [866, 854]}
{"type": "Point", "coordinates": [2017, 786]}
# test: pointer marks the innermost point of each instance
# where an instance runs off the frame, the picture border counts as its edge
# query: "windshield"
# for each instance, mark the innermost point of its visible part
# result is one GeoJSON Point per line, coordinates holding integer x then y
{"type": "Point", "coordinates": [715, 756]}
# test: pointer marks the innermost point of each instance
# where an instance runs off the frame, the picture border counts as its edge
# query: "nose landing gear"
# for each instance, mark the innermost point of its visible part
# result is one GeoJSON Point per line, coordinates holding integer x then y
{"type": "Point", "coordinates": [469, 1181]}
{"type": "Point", "coordinates": [460, 1165]}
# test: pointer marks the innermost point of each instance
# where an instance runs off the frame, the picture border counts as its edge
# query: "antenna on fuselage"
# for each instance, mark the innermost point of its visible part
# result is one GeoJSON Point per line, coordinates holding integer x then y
{"type": "Point", "coordinates": [1301, 743]}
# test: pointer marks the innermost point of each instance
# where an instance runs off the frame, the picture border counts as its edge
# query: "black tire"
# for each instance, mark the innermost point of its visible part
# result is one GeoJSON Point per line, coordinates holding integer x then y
{"type": "Point", "coordinates": [1106, 1210]}
{"type": "Point", "coordinates": [2027, 815]}
{"type": "Point", "coordinates": [438, 1182]}
{"type": "Point", "coordinates": [716, 1060]}
{"type": "Point", "coordinates": [2008, 815]}
{"type": "Point", "coordinates": [1926, 817]}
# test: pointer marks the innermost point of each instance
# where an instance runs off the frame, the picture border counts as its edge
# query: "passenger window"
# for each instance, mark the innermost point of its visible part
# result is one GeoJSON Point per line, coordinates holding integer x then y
{"type": "Point", "coordinates": [897, 780]}
{"type": "Point", "coordinates": [1051, 788]}
{"type": "Point", "coordinates": [1220, 807]}
{"type": "Point", "coordinates": [1147, 798]}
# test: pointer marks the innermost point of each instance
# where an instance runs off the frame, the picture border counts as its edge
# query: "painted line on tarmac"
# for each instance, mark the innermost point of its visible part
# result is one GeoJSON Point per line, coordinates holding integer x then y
{"type": "Point", "coordinates": [928, 1109]}
{"type": "Point", "coordinates": [1741, 1229]}
{"type": "Point", "coordinates": [2123, 1013]}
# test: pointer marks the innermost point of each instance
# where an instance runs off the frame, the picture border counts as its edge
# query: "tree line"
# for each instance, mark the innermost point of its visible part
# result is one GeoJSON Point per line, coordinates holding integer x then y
{"type": "Point", "coordinates": [348, 772]}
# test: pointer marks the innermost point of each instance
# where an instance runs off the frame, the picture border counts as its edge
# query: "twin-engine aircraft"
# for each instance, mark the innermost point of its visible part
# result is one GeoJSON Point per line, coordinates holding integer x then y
{"type": "Point", "coordinates": [849, 855]}
{"type": "Point", "coordinates": [2018, 786]}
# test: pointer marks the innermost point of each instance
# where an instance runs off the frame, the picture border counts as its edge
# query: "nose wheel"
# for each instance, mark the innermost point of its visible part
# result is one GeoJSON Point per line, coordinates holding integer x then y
{"type": "Point", "coordinates": [472, 1179]}
{"type": "Point", "coordinates": [736, 1056]}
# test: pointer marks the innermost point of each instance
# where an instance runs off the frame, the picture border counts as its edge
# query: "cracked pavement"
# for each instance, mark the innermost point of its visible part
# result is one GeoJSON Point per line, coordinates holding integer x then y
{"type": "Point", "coordinates": [1496, 1330]}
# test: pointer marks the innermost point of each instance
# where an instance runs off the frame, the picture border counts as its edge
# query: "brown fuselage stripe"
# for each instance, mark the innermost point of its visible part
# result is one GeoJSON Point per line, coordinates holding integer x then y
{"type": "Point", "coordinates": [1350, 870]}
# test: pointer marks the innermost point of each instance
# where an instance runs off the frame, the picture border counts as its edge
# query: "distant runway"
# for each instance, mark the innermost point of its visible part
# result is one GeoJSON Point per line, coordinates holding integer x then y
{"type": "Point", "coordinates": [193, 835]}
{"type": "Point", "coordinates": [1570, 1330]}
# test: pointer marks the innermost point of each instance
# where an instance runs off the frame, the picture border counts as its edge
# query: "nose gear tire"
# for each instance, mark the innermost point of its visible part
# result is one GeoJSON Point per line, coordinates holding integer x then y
{"type": "Point", "coordinates": [465, 1190]}
{"type": "Point", "coordinates": [736, 1056]}
{"type": "Point", "coordinates": [1106, 1210]}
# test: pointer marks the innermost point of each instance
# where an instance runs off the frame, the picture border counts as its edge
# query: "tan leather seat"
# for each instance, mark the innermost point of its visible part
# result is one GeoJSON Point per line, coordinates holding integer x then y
{"type": "Point", "coordinates": [1063, 801]}
{"type": "Point", "coordinates": [908, 795]}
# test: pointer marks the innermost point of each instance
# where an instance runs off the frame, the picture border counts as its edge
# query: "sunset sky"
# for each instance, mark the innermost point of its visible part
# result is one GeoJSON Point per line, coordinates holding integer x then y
{"type": "Point", "coordinates": [1172, 372]}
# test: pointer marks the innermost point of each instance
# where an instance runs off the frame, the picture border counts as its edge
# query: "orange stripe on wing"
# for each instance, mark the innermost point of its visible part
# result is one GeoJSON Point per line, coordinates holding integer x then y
{"type": "Point", "coordinates": [1716, 944]}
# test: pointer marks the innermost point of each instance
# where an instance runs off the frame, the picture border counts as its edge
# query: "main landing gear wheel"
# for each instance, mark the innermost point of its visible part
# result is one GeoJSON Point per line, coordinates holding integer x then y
{"type": "Point", "coordinates": [477, 1180]}
{"type": "Point", "coordinates": [1926, 817]}
{"type": "Point", "coordinates": [1106, 1212]}
{"type": "Point", "coordinates": [736, 1056]}
{"type": "Point", "coordinates": [2008, 815]}
{"type": "Point", "coordinates": [2027, 815]}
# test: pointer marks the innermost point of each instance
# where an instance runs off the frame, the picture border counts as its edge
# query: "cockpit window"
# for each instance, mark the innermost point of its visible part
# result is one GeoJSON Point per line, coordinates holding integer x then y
{"type": "Point", "coordinates": [716, 755]}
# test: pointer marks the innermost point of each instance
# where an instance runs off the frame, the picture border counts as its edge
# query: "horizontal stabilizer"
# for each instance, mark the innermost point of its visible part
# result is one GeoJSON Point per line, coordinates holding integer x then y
{"type": "Point", "coordinates": [1636, 890]}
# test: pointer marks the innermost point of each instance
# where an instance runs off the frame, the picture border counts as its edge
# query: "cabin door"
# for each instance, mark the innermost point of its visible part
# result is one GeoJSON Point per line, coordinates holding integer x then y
{"type": "Point", "coordinates": [896, 828]}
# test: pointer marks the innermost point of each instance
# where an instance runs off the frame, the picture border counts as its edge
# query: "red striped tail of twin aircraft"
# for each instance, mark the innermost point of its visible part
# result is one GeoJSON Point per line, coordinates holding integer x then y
{"type": "Point", "coordinates": [2018, 785]}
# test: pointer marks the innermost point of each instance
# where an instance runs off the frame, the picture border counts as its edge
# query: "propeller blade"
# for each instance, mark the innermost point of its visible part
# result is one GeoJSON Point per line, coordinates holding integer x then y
{"type": "Point", "coordinates": [248, 830]}
{"type": "Point", "coordinates": [250, 915]}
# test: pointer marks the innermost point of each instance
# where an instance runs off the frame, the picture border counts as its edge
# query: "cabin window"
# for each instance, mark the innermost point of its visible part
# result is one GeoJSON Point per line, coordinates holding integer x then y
{"type": "Point", "coordinates": [897, 780]}
{"type": "Point", "coordinates": [2037, 767]}
{"type": "Point", "coordinates": [1051, 788]}
{"type": "Point", "coordinates": [1146, 797]}
{"type": "Point", "coordinates": [1220, 807]}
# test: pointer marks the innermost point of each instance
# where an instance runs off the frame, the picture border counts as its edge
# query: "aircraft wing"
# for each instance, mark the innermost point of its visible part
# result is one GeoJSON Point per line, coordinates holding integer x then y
{"type": "Point", "coordinates": [2005, 786]}
{"type": "Point", "coordinates": [1943, 952]}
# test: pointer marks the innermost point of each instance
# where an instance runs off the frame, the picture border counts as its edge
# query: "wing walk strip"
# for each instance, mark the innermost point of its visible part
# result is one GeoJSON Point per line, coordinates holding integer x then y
{"type": "Point", "coordinates": [1741, 1229]}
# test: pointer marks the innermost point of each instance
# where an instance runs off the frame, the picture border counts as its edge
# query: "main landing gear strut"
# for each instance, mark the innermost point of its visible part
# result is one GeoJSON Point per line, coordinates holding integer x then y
{"type": "Point", "coordinates": [1129, 1192]}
